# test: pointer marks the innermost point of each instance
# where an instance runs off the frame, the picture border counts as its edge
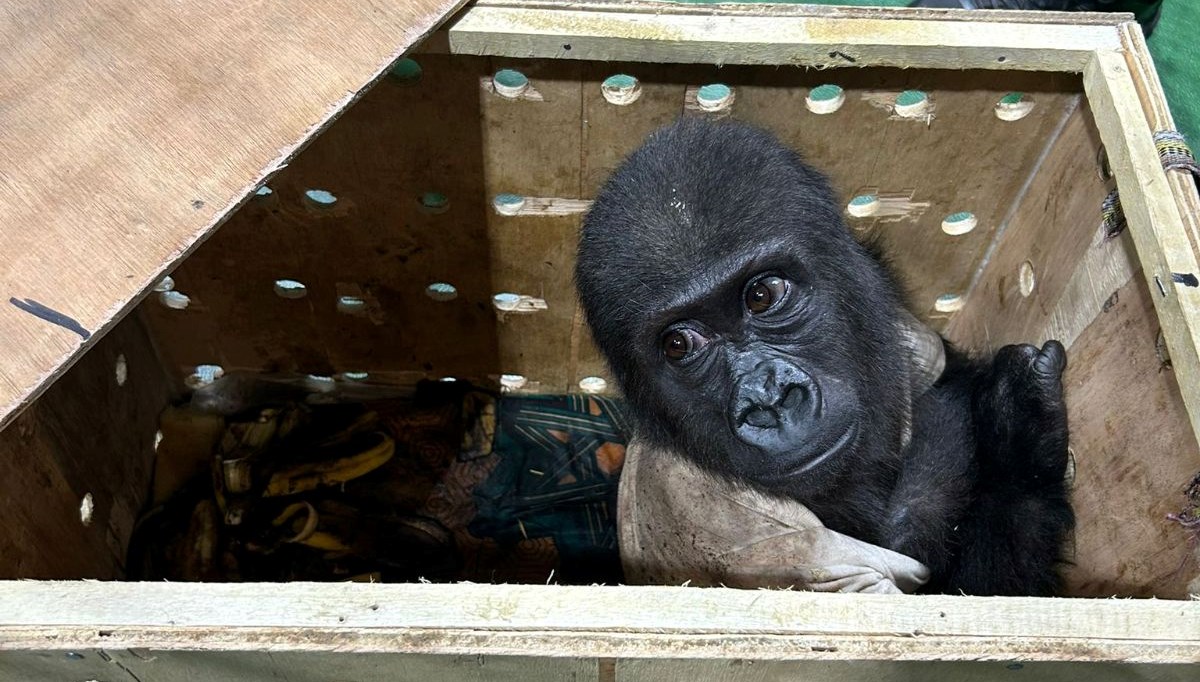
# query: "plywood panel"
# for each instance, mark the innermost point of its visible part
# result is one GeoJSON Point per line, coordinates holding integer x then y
{"type": "Point", "coordinates": [560, 142]}
{"type": "Point", "coordinates": [1055, 225]}
{"type": "Point", "coordinates": [1134, 455]}
{"type": "Point", "coordinates": [92, 433]}
{"type": "Point", "coordinates": [377, 242]}
{"type": "Point", "coordinates": [129, 130]}
{"type": "Point", "coordinates": [532, 149]}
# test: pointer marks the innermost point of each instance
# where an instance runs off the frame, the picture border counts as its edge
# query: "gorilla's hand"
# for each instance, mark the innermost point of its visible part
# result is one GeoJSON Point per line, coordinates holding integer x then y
{"type": "Point", "coordinates": [1021, 415]}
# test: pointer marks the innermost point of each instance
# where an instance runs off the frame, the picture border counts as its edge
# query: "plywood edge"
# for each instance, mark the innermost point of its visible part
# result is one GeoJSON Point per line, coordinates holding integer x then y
{"type": "Point", "coordinates": [781, 34]}
{"type": "Point", "coordinates": [655, 622]}
{"type": "Point", "coordinates": [137, 216]}
{"type": "Point", "coordinates": [1159, 206]}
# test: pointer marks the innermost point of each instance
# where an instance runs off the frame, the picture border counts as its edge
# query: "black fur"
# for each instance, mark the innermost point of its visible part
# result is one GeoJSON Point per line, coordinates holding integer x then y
{"type": "Point", "coordinates": [806, 398]}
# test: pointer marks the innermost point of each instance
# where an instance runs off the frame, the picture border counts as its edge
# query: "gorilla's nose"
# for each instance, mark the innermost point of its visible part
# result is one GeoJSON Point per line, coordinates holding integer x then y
{"type": "Point", "coordinates": [774, 390]}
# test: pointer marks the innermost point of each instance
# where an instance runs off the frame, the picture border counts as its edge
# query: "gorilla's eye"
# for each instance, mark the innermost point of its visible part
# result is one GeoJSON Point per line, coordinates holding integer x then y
{"type": "Point", "coordinates": [764, 293]}
{"type": "Point", "coordinates": [680, 342]}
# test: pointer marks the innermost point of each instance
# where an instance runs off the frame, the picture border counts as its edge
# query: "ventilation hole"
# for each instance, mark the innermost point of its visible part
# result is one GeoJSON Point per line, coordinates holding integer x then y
{"type": "Point", "coordinates": [165, 284]}
{"type": "Point", "coordinates": [508, 204]}
{"type": "Point", "coordinates": [320, 198]}
{"type": "Point", "coordinates": [355, 376]}
{"type": "Point", "coordinates": [405, 72]}
{"type": "Point", "coordinates": [174, 300]}
{"type": "Point", "coordinates": [513, 381]}
{"type": "Point", "coordinates": [434, 202]}
{"type": "Point", "coordinates": [158, 439]}
{"type": "Point", "coordinates": [1013, 107]}
{"type": "Point", "coordinates": [203, 375]}
{"type": "Point", "coordinates": [441, 291]}
{"type": "Point", "coordinates": [506, 301]}
{"type": "Point", "coordinates": [863, 205]}
{"type": "Point", "coordinates": [86, 508]}
{"type": "Point", "coordinates": [959, 223]}
{"type": "Point", "coordinates": [121, 370]}
{"type": "Point", "coordinates": [911, 103]}
{"type": "Point", "coordinates": [351, 305]}
{"type": "Point", "coordinates": [290, 288]}
{"type": "Point", "coordinates": [264, 191]}
{"type": "Point", "coordinates": [825, 99]}
{"type": "Point", "coordinates": [714, 96]}
{"type": "Point", "coordinates": [319, 383]}
{"type": "Point", "coordinates": [510, 83]}
{"type": "Point", "coordinates": [621, 89]}
{"type": "Point", "coordinates": [948, 303]}
{"type": "Point", "coordinates": [1102, 166]}
{"type": "Point", "coordinates": [592, 384]}
{"type": "Point", "coordinates": [1025, 278]}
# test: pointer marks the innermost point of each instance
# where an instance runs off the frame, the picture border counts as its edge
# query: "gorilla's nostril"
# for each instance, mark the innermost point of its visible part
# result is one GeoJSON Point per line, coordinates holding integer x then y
{"type": "Point", "coordinates": [794, 397]}
{"type": "Point", "coordinates": [761, 418]}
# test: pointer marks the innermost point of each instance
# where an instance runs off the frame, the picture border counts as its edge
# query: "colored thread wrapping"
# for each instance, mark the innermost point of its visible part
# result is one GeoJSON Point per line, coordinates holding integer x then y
{"type": "Point", "coordinates": [1175, 154]}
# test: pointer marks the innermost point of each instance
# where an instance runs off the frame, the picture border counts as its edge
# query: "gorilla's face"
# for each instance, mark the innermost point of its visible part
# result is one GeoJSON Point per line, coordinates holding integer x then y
{"type": "Point", "coordinates": [746, 327]}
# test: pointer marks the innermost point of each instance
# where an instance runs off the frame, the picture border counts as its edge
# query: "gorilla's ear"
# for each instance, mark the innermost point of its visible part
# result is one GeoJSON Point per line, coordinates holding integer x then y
{"type": "Point", "coordinates": [927, 354]}
{"type": "Point", "coordinates": [925, 362]}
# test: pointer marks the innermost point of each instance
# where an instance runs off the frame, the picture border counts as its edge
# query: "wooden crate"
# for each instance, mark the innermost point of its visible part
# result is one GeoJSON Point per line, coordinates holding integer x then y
{"type": "Point", "coordinates": [129, 132]}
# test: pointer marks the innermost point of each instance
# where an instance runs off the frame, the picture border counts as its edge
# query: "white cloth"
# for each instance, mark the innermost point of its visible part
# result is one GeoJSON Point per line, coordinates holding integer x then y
{"type": "Point", "coordinates": [678, 525]}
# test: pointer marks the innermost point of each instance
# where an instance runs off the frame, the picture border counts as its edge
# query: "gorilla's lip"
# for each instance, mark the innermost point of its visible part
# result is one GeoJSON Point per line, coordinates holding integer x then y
{"type": "Point", "coordinates": [847, 437]}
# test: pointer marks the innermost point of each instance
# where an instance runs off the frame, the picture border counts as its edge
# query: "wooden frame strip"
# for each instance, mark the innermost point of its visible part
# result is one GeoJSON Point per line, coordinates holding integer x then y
{"type": "Point", "coordinates": [1158, 207]}
{"type": "Point", "coordinates": [798, 35]}
{"type": "Point", "coordinates": [640, 622]}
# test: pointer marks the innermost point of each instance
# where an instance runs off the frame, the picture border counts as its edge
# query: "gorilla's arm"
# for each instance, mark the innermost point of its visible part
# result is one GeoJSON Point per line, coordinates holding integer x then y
{"type": "Point", "coordinates": [934, 487]}
{"type": "Point", "coordinates": [1013, 533]}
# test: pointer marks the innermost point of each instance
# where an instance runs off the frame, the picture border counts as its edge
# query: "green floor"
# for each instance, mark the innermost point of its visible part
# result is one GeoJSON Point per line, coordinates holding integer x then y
{"type": "Point", "coordinates": [1175, 45]}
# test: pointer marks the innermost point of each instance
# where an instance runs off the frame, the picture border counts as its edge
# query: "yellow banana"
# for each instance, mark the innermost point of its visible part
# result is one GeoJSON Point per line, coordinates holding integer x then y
{"type": "Point", "coordinates": [299, 478]}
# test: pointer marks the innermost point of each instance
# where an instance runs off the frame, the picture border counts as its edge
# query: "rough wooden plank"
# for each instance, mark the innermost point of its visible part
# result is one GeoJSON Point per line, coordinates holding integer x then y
{"type": "Point", "coordinates": [377, 242]}
{"type": "Point", "coordinates": [781, 34]}
{"type": "Point", "coordinates": [532, 149]}
{"type": "Point", "coordinates": [654, 622]}
{"type": "Point", "coordinates": [89, 434]}
{"type": "Point", "coordinates": [1054, 225]}
{"type": "Point", "coordinates": [1134, 453]}
{"type": "Point", "coordinates": [194, 666]}
{"type": "Point", "coordinates": [191, 666]}
{"type": "Point", "coordinates": [747, 670]}
{"type": "Point", "coordinates": [129, 130]}
{"type": "Point", "coordinates": [1155, 214]}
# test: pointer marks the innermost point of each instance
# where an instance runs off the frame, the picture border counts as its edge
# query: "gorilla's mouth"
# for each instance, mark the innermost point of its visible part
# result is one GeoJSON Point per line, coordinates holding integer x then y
{"type": "Point", "coordinates": [809, 462]}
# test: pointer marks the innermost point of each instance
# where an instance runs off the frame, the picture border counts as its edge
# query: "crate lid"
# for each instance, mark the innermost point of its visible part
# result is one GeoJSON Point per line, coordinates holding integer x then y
{"type": "Point", "coordinates": [129, 131]}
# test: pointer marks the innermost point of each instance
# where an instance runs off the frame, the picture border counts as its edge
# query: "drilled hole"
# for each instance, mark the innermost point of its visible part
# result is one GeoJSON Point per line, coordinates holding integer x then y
{"type": "Point", "coordinates": [948, 303]}
{"type": "Point", "coordinates": [621, 89]}
{"type": "Point", "coordinates": [911, 103]}
{"type": "Point", "coordinates": [174, 300]}
{"type": "Point", "coordinates": [406, 72]}
{"type": "Point", "coordinates": [714, 97]}
{"type": "Point", "coordinates": [441, 291]}
{"type": "Point", "coordinates": [87, 507]}
{"type": "Point", "coordinates": [203, 375]}
{"type": "Point", "coordinates": [121, 370]}
{"type": "Point", "coordinates": [510, 83]}
{"type": "Point", "coordinates": [863, 205]}
{"type": "Point", "coordinates": [1025, 278]}
{"type": "Point", "coordinates": [959, 223]}
{"type": "Point", "coordinates": [320, 198]}
{"type": "Point", "coordinates": [825, 99]}
{"type": "Point", "coordinates": [290, 288]}
{"type": "Point", "coordinates": [592, 384]}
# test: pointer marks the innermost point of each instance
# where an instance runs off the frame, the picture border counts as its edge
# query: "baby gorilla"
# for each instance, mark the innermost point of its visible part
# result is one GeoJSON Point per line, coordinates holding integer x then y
{"type": "Point", "coordinates": [750, 332]}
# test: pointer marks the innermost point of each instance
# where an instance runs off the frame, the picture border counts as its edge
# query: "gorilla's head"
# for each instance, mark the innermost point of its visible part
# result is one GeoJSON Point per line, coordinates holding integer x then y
{"type": "Point", "coordinates": [745, 325]}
